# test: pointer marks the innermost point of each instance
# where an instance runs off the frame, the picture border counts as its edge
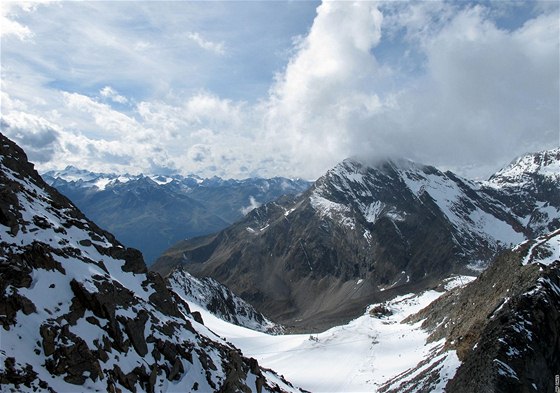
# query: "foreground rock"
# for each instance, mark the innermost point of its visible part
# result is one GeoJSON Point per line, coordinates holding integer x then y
{"type": "Point", "coordinates": [504, 327]}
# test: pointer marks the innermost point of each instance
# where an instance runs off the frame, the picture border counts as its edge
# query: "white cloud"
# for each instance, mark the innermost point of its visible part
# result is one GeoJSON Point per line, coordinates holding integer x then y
{"type": "Point", "coordinates": [328, 85]}
{"type": "Point", "coordinates": [9, 26]}
{"type": "Point", "coordinates": [215, 47]}
{"type": "Point", "coordinates": [112, 94]}
{"type": "Point", "coordinates": [253, 204]}
{"type": "Point", "coordinates": [483, 94]}
{"type": "Point", "coordinates": [438, 82]}
{"type": "Point", "coordinates": [487, 95]}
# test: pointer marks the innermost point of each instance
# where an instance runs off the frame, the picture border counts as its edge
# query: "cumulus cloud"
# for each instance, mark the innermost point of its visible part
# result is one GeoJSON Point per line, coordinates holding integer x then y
{"type": "Point", "coordinates": [327, 84]}
{"type": "Point", "coordinates": [439, 82]}
{"type": "Point", "coordinates": [483, 93]}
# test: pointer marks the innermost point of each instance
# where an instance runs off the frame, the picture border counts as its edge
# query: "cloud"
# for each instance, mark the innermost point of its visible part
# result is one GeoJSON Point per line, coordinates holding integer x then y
{"type": "Point", "coordinates": [215, 47]}
{"type": "Point", "coordinates": [9, 11]}
{"type": "Point", "coordinates": [199, 152]}
{"type": "Point", "coordinates": [112, 94]}
{"type": "Point", "coordinates": [253, 204]}
{"type": "Point", "coordinates": [461, 85]}
{"type": "Point", "coordinates": [328, 83]}
{"type": "Point", "coordinates": [482, 94]}
{"type": "Point", "coordinates": [487, 94]}
{"type": "Point", "coordinates": [38, 136]}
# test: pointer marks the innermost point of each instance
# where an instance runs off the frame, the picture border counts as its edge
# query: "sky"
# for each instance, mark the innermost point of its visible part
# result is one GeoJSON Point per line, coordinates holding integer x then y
{"type": "Point", "coordinates": [239, 89]}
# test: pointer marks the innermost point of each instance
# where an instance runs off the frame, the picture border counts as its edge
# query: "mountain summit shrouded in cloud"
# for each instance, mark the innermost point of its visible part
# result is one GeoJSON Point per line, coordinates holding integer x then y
{"type": "Point", "coordinates": [239, 89]}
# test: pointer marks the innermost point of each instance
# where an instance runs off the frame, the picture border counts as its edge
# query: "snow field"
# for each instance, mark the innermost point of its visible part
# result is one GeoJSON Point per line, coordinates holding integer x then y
{"type": "Point", "coordinates": [357, 357]}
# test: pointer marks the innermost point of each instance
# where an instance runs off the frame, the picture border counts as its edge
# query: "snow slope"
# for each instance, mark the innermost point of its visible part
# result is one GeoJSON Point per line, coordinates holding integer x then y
{"type": "Point", "coordinates": [360, 356]}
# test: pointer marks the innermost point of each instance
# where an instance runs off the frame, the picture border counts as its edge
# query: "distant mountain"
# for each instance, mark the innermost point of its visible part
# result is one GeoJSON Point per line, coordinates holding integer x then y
{"type": "Point", "coordinates": [151, 213]}
{"type": "Point", "coordinates": [504, 326]}
{"type": "Point", "coordinates": [530, 187]}
{"type": "Point", "coordinates": [362, 233]}
{"type": "Point", "coordinates": [220, 301]}
{"type": "Point", "coordinates": [80, 312]}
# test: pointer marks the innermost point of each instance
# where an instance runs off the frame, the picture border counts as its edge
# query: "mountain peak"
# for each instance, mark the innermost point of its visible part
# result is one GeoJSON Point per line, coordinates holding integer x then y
{"type": "Point", "coordinates": [544, 163]}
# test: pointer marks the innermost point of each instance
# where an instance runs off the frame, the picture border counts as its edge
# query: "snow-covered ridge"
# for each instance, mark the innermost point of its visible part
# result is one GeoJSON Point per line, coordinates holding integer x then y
{"type": "Point", "coordinates": [217, 299]}
{"type": "Point", "coordinates": [544, 250]}
{"type": "Point", "coordinates": [545, 163]}
{"type": "Point", "coordinates": [530, 186]}
{"type": "Point", "coordinates": [100, 180]}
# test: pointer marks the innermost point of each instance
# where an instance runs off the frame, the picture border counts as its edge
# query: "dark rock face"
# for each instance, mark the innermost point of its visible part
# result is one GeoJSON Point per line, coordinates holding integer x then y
{"type": "Point", "coordinates": [504, 326]}
{"type": "Point", "coordinates": [519, 347]}
{"type": "Point", "coordinates": [80, 312]}
{"type": "Point", "coordinates": [361, 234]}
{"type": "Point", "coordinates": [153, 213]}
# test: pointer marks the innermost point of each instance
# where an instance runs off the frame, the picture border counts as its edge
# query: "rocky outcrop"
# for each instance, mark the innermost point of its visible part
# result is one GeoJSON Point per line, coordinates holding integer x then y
{"type": "Point", "coordinates": [504, 326]}
{"type": "Point", "coordinates": [79, 311]}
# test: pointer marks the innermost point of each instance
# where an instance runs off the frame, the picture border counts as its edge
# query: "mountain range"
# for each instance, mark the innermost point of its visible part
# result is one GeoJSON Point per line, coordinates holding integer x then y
{"type": "Point", "coordinates": [151, 213]}
{"type": "Point", "coordinates": [367, 232]}
{"type": "Point", "coordinates": [80, 312]}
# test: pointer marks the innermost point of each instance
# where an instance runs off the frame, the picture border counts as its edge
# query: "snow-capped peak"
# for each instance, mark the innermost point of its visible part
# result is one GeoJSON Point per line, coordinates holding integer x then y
{"type": "Point", "coordinates": [400, 188]}
{"type": "Point", "coordinates": [545, 163]}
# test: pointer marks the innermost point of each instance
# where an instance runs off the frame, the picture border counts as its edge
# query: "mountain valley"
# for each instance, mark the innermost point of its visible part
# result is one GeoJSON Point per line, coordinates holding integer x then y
{"type": "Point", "coordinates": [151, 213]}
{"type": "Point", "coordinates": [393, 277]}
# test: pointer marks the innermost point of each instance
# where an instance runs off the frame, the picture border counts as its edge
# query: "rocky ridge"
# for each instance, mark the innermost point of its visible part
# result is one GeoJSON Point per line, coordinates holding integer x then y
{"type": "Point", "coordinates": [504, 326]}
{"type": "Point", "coordinates": [79, 311]}
{"type": "Point", "coordinates": [220, 301]}
{"type": "Point", "coordinates": [530, 187]}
